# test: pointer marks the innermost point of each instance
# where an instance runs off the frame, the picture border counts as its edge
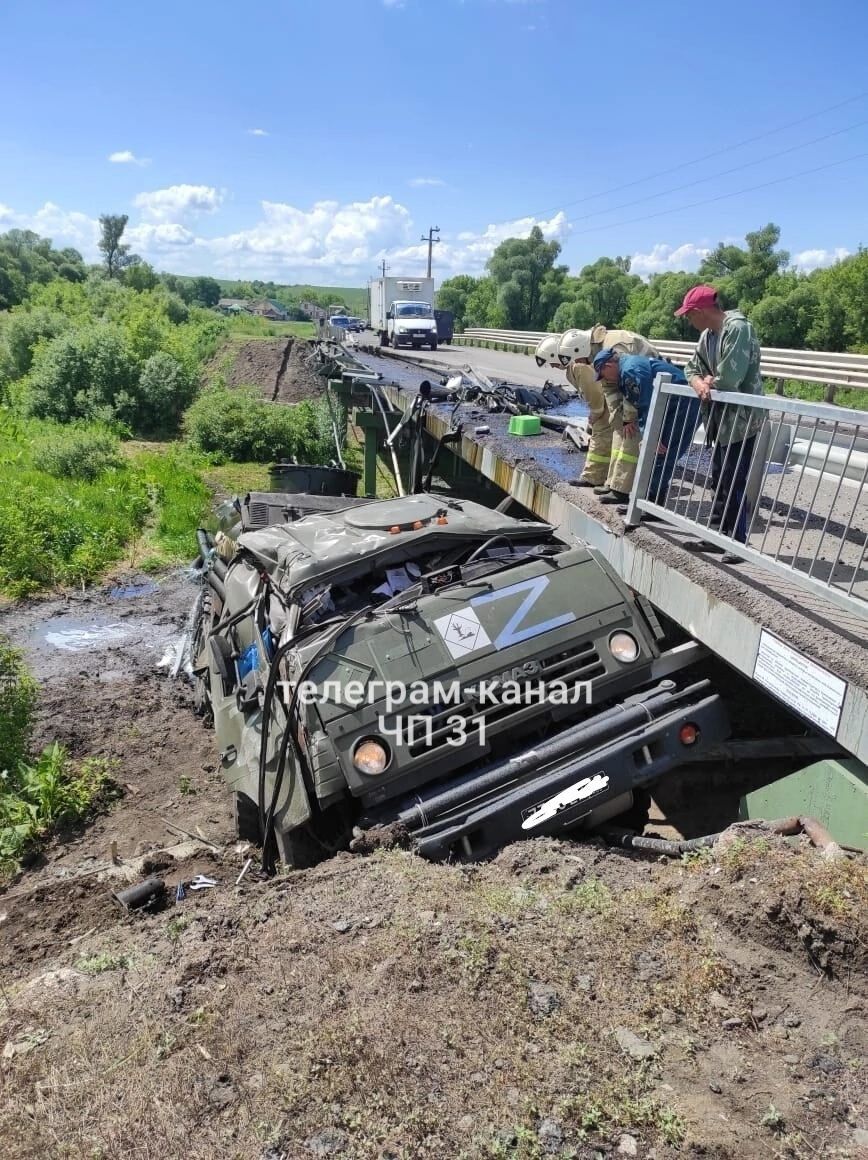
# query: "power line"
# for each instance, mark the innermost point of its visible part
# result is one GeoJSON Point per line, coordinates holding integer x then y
{"type": "Point", "coordinates": [719, 197]}
{"type": "Point", "coordinates": [722, 173]}
{"type": "Point", "coordinates": [698, 160]}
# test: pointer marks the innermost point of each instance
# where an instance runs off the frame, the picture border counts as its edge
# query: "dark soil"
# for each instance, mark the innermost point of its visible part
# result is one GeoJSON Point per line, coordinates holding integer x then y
{"type": "Point", "coordinates": [283, 369]}
{"type": "Point", "coordinates": [562, 1000]}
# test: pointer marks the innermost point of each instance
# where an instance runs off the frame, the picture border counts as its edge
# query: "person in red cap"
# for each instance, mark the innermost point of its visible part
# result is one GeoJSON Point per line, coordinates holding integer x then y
{"type": "Point", "coordinates": [727, 358]}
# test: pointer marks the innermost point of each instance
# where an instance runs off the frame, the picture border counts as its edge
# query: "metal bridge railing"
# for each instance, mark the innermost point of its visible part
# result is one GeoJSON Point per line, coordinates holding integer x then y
{"type": "Point", "coordinates": [778, 482]}
{"type": "Point", "coordinates": [807, 366]}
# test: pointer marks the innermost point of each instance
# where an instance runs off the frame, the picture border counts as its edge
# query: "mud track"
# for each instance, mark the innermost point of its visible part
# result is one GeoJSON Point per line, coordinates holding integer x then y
{"type": "Point", "coordinates": [562, 1000]}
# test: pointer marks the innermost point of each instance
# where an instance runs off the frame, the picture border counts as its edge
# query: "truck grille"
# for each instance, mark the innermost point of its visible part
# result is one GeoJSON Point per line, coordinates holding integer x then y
{"type": "Point", "coordinates": [580, 663]}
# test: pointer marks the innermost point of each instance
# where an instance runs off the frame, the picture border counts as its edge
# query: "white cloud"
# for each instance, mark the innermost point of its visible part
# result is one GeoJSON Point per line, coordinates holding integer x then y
{"type": "Point", "coordinates": [418, 182]}
{"type": "Point", "coordinates": [813, 259]}
{"type": "Point", "coordinates": [328, 236]}
{"type": "Point", "coordinates": [258, 132]}
{"type": "Point", "coordinates": [127, 157]}
{"type": "Point", "coordinates": [161, 238]}
{"type": "Point", "coordinates": [662, 257]}
{"type": "Point", "coordinates": [177, 202]}
{"type": "Point", "coordinates": [64, 227]}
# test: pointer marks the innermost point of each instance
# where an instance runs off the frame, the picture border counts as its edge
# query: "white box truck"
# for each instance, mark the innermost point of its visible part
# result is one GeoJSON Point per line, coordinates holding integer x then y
{"type": "Point", "coordinates": [401, 311]}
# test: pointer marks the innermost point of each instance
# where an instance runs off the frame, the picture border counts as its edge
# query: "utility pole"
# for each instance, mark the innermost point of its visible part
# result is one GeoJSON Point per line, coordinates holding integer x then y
{"type": "Point", "coordinates": [430, 239]}
{"type": "Point", "coordinates": [384, 267]}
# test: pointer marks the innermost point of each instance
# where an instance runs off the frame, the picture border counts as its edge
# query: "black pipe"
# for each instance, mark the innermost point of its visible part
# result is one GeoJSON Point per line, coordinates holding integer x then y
{"type": "Point", "coordinates": [208, 554]}
{"type": "Point", "coordinates": [659, 845]}
{"type": "Point", "coordinates": [202, 538]}
{"type": "Point", "coordinates": [146, 893]}
{"type": "Point", "coordinates": [594, 731]}
{"type": "Point", "coordinates": [217, 584]}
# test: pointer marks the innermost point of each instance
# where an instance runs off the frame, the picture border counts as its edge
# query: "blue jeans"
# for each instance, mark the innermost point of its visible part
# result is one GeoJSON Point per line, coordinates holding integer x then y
{"type": "Point", "coordinates": [679, 424]}
{"type": "Point", "coordinates": [731, 466]}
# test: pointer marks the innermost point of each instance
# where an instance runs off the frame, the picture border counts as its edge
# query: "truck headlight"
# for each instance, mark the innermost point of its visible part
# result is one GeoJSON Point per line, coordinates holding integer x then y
{"type": "Point", "coordinates": [371, 756]}
{"type": "Point", "coordinates": [623, 647]}
{"type": "Point", "coordinates": [401, 329]}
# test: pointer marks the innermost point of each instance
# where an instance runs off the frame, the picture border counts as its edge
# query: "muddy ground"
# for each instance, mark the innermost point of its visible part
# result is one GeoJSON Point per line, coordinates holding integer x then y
{"type": "Point", "coordinates": [563, 1000]}
{"type": "Point", "coordinates": [283, 369]}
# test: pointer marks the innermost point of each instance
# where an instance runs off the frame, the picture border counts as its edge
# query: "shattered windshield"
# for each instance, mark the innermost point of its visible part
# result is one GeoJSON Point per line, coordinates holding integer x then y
{"type": "Point", "coordinates": [413, 310]}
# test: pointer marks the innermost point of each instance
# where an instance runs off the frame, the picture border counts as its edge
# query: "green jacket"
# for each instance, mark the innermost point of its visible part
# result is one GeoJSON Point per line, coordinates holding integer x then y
{"type": "Point", "coordinates": [733, 361]}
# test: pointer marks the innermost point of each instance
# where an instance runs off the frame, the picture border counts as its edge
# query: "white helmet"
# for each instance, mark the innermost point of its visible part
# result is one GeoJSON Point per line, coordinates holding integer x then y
{"type": "Point", "coordinates": [574, 344]}
{"type": "Point", "coordinates": [547, 351]}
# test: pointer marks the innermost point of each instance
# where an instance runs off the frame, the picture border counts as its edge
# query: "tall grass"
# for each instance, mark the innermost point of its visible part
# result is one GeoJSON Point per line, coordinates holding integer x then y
{"type": "Point", "coordinates": [58, 529]}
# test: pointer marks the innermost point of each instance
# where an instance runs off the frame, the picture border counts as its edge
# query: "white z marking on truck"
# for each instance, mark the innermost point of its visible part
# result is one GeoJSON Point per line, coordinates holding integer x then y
{"type": "Point", "coordinates": [511, 633]}
{"type": "Point", "coordinates": [586, 788]}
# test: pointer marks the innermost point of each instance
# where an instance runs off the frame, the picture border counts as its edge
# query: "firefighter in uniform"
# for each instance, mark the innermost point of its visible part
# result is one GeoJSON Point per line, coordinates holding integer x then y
{"type": "Point", "coordinates": [580, 374]}
{"type": "Point", "coordinates": [619, 418]}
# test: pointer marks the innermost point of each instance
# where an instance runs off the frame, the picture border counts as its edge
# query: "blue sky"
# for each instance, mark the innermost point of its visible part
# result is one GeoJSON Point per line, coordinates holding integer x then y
{"type": "Point", "coordinates": [305, 140]}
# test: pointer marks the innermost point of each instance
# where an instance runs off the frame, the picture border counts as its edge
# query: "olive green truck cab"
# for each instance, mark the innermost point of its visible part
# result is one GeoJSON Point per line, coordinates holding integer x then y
{"type": "Point", "coordinates": [435, 665]}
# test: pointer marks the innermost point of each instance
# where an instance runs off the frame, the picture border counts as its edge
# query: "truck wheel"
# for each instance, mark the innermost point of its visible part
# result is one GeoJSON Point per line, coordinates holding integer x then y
{"type": "Point", "coordinates": [433, 344]}
{"type": "Point", "coordinates": [636, 818]}
{"type": "Point", "coordinates": [246, 815]}
{"type": "Point", "coordinates": [322, 836]}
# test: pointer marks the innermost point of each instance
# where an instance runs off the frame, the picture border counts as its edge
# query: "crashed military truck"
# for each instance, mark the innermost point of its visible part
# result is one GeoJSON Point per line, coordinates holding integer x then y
{"type": "Point", "coordinates": [432, 665]}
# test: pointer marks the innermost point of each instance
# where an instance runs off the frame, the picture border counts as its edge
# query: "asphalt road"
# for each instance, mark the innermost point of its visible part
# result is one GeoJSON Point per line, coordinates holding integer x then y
{"type": "Point", "coordinates": [496, 364]}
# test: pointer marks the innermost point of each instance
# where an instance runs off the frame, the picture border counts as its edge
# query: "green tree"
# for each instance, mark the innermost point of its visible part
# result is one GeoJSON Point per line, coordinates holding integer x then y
{"type": "Point", "coordinates": [117, 255]}
{"type": "Point", "coordinates": [519, 267]}
{"type": "Point", "coordinates": [601, 293]}
{"type": "Point", "coordinates": [27, 260]}
{"type": "Point", "coordinates": [786, 317]}
{"type": "Point", "coordinates": [453, 295]}
{"type": "Point", "coordinates": [483, 307]}
{"type": "Point", "coordinates": [742, 274]}
{"type": "Point", "coordinates": [206, 291]}
{"type": "Point", "coordinates": [652, 306]}
{"type": "Point", "coordinates": [140, 276]}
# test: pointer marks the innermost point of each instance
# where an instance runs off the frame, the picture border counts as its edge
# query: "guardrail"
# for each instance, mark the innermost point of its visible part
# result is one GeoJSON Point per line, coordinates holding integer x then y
{"type": "Point", "coordinates": [809, 366]}
{"type": "Point", "coordinates": [790, 497]}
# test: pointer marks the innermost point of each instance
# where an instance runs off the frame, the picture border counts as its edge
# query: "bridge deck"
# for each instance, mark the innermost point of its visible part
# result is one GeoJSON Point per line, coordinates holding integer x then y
{"type": "Point", "coordinates": [730, 608]}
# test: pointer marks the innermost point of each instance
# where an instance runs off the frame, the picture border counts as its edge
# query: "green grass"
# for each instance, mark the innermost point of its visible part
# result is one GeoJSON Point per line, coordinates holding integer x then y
{"type": "Point", "coordinates": [39, 796]}
{"type": "Point", "coordinates": [247, 326]}
{"type": "Point", "coordinates": [855, 398]}
{"type": "Point", "coordinates": [58, 530]}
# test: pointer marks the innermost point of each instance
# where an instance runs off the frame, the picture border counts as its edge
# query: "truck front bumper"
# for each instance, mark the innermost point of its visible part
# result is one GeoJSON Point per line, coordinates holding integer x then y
{"type": "Point", "coordinates": [549, 800]}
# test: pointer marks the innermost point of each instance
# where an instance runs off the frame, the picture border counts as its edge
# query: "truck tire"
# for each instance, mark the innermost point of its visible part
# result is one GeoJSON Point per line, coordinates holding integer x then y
{"type": "Point", "coordinates": [433, 343]}
{"type": "Point", "coordinates": [246, 816]}
{"type": "Point", "coordinates": [321, 836]}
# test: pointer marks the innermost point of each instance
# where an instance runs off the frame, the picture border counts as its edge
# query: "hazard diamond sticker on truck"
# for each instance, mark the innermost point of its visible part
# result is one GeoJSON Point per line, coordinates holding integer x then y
{"type": "Point", "coordinates": [462, 633]}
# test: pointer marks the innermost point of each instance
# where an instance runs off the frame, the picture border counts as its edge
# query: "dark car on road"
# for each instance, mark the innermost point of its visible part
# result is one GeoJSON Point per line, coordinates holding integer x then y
{"type": "Point", "coordinates": [445, 325]}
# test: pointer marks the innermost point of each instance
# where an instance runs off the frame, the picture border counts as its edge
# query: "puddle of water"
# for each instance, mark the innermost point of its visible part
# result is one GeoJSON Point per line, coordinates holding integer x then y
{"type": "Point", "coordinates": [71, 634]}
{"type": "Point", "coordinates": [130, 591]}
{"type": "Point", "coordinates": [575, 409]}
{"type": "Point", "coordinates": [79, 637]}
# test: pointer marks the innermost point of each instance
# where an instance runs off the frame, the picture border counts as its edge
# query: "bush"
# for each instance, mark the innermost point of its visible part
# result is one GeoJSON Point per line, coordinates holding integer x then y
{"type": "Point", "coordinates": [79, 454]}
{"type": "Point", "coordinates": [51, 791]}
{"type": "Point", "coordinates": [241, 425]}
{"type": "Point", "coordinates": [17, 702]}
{"type": "Point", "coordinates": [83, 373]}
{"type": "Point", "coordinates": [166, 389]}
{"type": "Point", "coordinates": [25, 329]}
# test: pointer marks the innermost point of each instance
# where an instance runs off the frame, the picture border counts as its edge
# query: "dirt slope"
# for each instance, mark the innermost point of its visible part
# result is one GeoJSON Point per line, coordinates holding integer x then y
{"type": "Point", "coordinates": [284, 369]}
{"type": "Point", "coordinates": [563, 1000]}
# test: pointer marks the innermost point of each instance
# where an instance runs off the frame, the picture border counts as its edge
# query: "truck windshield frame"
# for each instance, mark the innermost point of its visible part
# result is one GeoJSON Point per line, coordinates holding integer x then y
{"type": "Point", "coordinates": [413, 310]}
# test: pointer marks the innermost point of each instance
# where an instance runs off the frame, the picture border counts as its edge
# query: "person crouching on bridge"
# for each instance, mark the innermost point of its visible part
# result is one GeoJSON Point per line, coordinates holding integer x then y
{"type": "Point", "coordinates": [634, 376]}
{"type": "Point", "coordinates": [727, 358]}
{"type": "Point", "coordinates": [580, 374]}
{"type": "Point", "coordinates": [580, 346]}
